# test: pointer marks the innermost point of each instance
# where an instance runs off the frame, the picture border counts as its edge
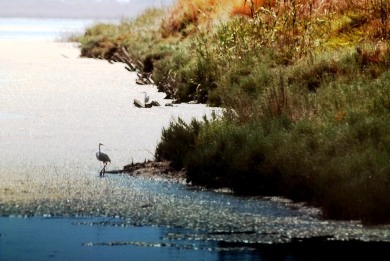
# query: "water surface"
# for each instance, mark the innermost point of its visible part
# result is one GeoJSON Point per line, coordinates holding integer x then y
{"type": "Point", "coordinates": [28, 28]}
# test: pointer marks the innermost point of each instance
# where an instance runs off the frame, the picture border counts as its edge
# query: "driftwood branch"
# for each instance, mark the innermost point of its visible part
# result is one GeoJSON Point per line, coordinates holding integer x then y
{"type": "Point", "coordinates": [132, 65]}
{"type": "Point", "coordinates": [167, 84]}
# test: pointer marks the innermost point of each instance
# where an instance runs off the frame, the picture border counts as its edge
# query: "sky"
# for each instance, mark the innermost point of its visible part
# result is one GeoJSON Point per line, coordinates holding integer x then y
{"type": "Point", "coordinates": [77, 8]}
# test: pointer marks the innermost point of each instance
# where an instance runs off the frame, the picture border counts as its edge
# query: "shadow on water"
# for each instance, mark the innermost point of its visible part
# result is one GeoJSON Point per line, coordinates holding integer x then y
{"type": "Point", "coordinates": [309, 249]}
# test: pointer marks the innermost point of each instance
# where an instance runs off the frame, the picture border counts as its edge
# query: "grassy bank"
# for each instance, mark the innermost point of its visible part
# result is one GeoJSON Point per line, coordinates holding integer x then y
{"type": "Point", "coordinates": [305, 84]}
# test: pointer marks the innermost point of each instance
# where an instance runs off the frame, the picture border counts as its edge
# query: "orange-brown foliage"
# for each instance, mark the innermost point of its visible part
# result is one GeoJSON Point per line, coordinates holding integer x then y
{"type": "Point", "coordinates": [186, 12]}
{"type": "Point", "coordinates": [303, 7]}
{"type": "Point", "coordinates": [249, 7]}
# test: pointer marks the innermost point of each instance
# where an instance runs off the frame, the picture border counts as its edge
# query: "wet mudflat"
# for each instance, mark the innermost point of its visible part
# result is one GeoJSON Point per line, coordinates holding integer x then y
{"type": "Point", "coordinates": [55, 108]}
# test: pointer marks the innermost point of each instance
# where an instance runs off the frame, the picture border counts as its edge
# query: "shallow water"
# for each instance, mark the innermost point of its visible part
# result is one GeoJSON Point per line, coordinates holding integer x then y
{"type": "Point", "coordinates": [103, 239]}
{"type": "Point", "coordinates": [25, 239]}
{"type": "Point", "coordinates": [54, 110]}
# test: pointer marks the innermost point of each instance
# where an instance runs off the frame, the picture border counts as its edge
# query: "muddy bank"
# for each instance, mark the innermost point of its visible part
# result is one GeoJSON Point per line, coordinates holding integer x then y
{"type": "Point", "coordinates": [154, 170]}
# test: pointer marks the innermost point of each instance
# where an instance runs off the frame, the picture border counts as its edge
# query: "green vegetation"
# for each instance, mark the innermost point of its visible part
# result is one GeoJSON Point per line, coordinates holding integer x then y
{"type": "Point", "coordinates": [306, 91]}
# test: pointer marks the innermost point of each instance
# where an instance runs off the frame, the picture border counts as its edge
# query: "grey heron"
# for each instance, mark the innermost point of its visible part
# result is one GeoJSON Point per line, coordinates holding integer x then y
{"type": "Point", "coordinates": [146, 98]}
{"type": "Point", "coordinates": [104, 158]}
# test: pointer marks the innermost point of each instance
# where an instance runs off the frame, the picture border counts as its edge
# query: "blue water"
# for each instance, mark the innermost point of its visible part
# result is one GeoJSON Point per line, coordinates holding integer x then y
{"type": "Point", "coordinates": [52, 29]}
{"type": "Point", "coordinates": [98, 239]}
{"type": "Point", "coordinates": [63, 239]}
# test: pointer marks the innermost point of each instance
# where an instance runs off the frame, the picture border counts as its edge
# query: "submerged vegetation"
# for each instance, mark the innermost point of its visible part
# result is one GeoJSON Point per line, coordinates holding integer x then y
{"type": "Point", "coordinates": [305, 85]}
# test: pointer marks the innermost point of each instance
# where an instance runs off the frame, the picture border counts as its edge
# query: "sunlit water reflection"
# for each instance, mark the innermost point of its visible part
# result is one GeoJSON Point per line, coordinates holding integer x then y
{"type": "Point", "coordinates": [54, 110]}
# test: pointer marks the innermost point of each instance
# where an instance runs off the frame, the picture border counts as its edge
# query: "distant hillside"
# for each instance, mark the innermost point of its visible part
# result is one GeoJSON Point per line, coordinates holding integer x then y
{"type": "Point", "coordinates": [75, 8]}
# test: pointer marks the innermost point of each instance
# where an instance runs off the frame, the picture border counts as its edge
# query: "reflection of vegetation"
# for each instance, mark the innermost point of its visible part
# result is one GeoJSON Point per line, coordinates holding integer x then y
{"type": "Point", "coordinates": [305, 84]}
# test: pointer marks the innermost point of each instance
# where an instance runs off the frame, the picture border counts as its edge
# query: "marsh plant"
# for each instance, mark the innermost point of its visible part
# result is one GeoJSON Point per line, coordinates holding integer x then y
{"type": "Point", "coordinates": [305, 86]}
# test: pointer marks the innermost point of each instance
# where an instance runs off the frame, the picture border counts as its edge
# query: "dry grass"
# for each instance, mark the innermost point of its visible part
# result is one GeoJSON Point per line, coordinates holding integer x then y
{"type": "Point", "coordinates": [370, 16]}
{"type": "Point", "coordinates": [250, 7]}
{"type": "Point", "coordinates": [185, 15]}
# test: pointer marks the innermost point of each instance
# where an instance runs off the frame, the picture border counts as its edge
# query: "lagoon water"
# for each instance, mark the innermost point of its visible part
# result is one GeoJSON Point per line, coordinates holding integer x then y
{"type": "Point", "coordinates": [28, 28]}
{"type": "Point", "coordinates": [55, 108]}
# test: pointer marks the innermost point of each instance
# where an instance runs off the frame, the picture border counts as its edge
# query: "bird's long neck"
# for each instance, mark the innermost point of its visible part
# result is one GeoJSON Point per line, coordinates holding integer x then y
{"type": "Point", "coordinates": [99, 147]}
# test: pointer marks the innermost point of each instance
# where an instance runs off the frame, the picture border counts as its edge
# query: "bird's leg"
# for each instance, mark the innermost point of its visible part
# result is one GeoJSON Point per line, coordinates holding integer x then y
{"type": "Point", "coordinates": [104, 168]}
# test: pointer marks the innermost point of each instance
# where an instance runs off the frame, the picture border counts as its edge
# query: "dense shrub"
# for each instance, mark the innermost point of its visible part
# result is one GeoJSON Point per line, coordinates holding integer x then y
{"type": "Point", "coordinates": [177, 141]}
{"type": "Point", "coordinates": [343, 169]}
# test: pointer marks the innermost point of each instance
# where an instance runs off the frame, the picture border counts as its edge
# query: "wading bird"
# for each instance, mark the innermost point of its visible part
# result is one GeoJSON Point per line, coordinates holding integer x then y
{"type": "Point", "coordinates": [146, 98]}
{"type": "Point", "coordinates": [104, 158]}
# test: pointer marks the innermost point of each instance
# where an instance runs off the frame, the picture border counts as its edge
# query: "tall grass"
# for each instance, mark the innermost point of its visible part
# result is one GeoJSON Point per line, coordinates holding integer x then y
{"type": "Point", "coordinates": [305, 86]}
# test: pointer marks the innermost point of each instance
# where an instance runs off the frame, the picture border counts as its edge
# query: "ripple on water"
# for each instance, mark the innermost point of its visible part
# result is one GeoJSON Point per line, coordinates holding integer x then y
{"type": "Point", "coordinates": [144, 202]}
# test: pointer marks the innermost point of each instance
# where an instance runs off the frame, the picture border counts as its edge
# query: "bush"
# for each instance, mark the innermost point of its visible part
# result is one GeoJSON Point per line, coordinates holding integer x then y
{"type": "Point", "coordinates": [341, 167]}
{"type": "Point", "coordinates": [177, 141]}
